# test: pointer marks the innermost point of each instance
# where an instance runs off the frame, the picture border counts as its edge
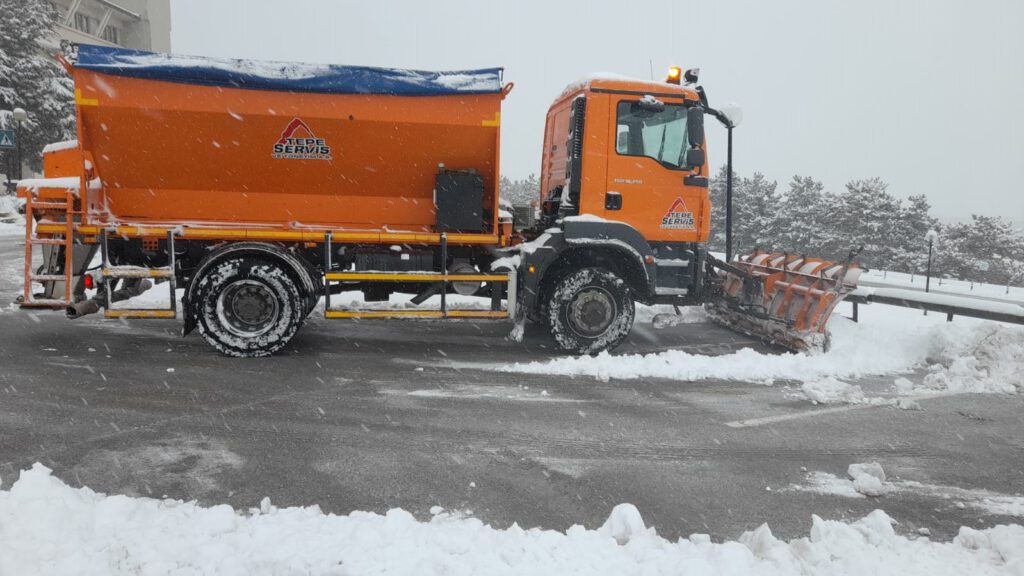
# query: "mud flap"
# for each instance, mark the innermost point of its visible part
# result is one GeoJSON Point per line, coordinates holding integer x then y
{"type": "Point", "coordinates": [189, 315]}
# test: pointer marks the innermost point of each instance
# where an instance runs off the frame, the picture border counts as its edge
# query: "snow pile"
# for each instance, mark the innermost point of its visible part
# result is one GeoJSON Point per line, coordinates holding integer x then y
{"type": "Point", "coordinates": [59, 146]}
{"type": "Point", "coordinates": [989, 358]}
{"type": "Point", "coordinates": [828, 390]}
{"type": "Point", "coordinates": [664, 316]}
{"type": "Point", "coordinates": [48, 527]}
{"type": "Point", "coordinates": [857, 350]}
{"type": "Point", "coordinates": [966, 356]}
{"type": "Point", "coordinates": [868, 479]}
{"type": "Point", "coordinates": [276, 75]}
{"type": "Point", "coordinates": [11, 222]}
{"type": "Point", "coordinates": [479, 82]}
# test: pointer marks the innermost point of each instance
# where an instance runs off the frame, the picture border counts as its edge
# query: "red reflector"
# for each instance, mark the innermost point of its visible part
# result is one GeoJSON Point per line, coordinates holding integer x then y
{"type": "Point", "coordinates": [89, 282]}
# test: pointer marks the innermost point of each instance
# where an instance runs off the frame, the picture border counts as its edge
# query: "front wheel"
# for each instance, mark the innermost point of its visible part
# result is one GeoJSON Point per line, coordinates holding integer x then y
{"type": "Point", "coordinates": [590, 310]}
{"type": "Point", "coordinates": [248, 307]}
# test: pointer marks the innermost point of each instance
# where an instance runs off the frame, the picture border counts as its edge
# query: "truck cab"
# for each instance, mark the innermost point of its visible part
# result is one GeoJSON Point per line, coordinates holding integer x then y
{"type": "Point", "coordinates": [624, 190]}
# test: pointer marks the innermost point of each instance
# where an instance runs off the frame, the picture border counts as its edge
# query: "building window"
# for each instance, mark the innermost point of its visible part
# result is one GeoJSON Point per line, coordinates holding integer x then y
{"type": "Point", "coordinates": [83, 23]}
{"type": "Point", "coordinates": [112, 34]}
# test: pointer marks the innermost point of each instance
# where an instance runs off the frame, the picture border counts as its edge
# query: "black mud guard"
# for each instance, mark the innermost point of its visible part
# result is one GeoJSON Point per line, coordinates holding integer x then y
{"type": "Point", "coordinates": [584, 232]}
{"type": "Point", "coordinates": [306, 273]}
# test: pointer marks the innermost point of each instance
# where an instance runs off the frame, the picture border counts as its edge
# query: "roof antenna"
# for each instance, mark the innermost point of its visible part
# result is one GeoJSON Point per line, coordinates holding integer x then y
{"type": "Point", "coordinates": [651, 64]}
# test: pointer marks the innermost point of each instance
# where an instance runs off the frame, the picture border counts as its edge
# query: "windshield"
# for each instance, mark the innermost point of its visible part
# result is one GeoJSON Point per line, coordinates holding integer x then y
{"type": "Point", "coordinates": [657, 134]}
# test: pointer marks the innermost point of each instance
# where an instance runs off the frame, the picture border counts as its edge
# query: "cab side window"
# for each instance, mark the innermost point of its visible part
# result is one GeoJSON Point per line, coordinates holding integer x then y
{"type": "Point", "coordinates": [657, 132]}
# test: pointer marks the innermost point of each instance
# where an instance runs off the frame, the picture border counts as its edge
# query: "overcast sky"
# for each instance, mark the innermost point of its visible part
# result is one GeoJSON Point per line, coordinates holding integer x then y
{"type": "Point", "coordinates": [926, 94]}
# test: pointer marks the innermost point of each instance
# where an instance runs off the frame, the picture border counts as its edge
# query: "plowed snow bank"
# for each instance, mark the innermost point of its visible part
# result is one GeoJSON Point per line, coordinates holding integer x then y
{"type": "Point", "coordinates": [965, 356]}
{"type": "Point", "coordinates": [47, 527]}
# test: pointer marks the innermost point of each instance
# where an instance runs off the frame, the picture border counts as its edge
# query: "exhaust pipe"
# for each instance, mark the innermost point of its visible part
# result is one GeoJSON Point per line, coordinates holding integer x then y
{"type": "Point", "coordinates": [83, 308]}
{"type": "Point", "coordinates": [93, 305]}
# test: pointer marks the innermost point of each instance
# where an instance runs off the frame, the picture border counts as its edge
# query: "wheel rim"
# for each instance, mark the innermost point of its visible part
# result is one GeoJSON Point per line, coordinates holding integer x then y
{"type": "Point", "coordinates": [591, 312]}
{"type": "Point", "coordinates": [248, 308]}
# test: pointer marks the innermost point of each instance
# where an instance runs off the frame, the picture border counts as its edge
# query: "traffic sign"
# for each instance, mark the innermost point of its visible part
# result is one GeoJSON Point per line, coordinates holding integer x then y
{"type": "Point", "coordinates": [7, 139]}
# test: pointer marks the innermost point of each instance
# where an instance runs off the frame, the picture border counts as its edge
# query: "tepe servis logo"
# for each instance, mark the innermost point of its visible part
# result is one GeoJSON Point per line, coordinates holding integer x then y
{"type": "Point", "coordinates": [298, 142]}
{"type": "Point", "coordinates": [678, 217]}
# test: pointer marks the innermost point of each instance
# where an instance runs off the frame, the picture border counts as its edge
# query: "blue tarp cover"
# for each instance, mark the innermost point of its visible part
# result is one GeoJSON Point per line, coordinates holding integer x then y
{"type": "Point", "coordinates": [285, 76]}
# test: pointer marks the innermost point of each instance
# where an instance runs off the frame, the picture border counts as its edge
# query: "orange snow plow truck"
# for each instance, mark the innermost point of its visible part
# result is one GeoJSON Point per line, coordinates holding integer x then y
{"type": "Point", "coordinates": [260, 188]}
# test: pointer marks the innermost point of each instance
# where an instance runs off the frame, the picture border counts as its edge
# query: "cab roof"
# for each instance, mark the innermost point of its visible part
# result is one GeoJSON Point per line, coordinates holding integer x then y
{"type": "Point", "coordinates": [619, 83]}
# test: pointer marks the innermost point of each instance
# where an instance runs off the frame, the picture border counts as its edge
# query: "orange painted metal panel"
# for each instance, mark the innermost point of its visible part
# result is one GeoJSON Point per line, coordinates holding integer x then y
{"type": "Point", "coordinates": [649, 191]}
{"type": "Point", "coordinates": [171, 153]}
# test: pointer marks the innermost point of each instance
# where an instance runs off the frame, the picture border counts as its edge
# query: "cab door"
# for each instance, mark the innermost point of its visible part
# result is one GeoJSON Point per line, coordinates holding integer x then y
{"type": "Point", "coordinates": [646, 170]}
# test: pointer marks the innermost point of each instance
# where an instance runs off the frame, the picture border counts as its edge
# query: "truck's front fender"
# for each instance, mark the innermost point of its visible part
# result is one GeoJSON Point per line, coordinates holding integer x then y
{"type": "Point", "coordinates": [581, 243]}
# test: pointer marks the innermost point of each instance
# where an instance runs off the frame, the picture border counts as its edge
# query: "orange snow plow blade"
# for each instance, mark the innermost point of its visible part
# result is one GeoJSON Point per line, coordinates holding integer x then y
{"type": "Point", "coordinates": [785, 300]}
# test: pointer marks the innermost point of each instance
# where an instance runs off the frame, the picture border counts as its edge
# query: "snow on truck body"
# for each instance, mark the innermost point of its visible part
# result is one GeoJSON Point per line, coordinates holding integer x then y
{"type": "Point", "coordinates": [261, 187]}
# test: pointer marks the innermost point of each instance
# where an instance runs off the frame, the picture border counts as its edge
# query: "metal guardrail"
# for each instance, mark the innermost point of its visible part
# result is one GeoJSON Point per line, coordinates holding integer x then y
{"type": "Point", "coordinates": [928, 304]}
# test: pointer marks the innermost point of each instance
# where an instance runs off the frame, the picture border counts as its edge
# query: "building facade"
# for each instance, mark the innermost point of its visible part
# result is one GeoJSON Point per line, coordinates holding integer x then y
{"type": "Point", "coordinates": [138, 24]}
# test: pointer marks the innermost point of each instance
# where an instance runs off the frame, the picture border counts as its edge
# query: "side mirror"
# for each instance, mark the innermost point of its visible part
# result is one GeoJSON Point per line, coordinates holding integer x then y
{"type": "Point", "coordinates": [694, 158]}
{"type": "Point", "coordinates": [695, 126]}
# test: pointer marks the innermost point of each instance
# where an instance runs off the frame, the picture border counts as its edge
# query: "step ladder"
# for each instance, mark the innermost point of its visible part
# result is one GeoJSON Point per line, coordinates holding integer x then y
{"type": "Point", "coordinates": [49, 201]}
{"type": "Point", "coordinates": [111, 273]}
{"type": "Point", "coordinates": [494, 280]}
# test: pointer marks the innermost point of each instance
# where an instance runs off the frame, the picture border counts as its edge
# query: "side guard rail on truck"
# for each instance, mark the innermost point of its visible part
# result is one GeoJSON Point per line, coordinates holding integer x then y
{"type": "Point", "coordinates": [443, 279]}
{"type": "Point", "coordinates": [784, 299]}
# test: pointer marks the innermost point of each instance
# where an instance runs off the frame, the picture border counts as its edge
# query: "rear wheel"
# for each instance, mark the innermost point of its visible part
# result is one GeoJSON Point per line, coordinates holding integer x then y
{"type": "Point", "coordinates": [248, 307]}
{"type": "Point", "coordinates": [590, 310]}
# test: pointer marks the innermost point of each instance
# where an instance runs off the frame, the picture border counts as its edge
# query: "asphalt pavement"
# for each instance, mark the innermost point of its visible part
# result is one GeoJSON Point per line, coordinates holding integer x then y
{"type": "Point", "coordinates": [375, 415]}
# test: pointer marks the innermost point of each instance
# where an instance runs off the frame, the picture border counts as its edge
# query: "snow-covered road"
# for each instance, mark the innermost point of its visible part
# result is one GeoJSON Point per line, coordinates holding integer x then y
{"type": "Point", "coordinates": [374, 416]}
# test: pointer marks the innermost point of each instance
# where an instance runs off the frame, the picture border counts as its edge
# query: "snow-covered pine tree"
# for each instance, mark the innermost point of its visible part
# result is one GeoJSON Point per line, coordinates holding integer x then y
{"type": "Point", "coordinates": [530, 189]}
{"type": "Point", "coordinates": [907, 238]}
{"type": "Point", "coordinates": [951, 252]}
{"type": "Point", "coordinates": [505, 188]}
{"type": "Point", "coordinates": [804, 223]}
{"type": "Point", "coordinates": [994, 240]}
{"type": "Point", "coordinates": [519, 192]}
{"type": "Point", "coordinates": [866, 216]}
{"type": "Point", "coordinates": [755, 220]}
{"type": "Point", "coordinates": [30, 78]}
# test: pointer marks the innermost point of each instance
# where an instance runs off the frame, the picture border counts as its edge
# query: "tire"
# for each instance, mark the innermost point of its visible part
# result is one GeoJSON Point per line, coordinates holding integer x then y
{"type": "Point", "coordinates": [248, 307]}
{"type": "Point", "coordinates": [590, 310]}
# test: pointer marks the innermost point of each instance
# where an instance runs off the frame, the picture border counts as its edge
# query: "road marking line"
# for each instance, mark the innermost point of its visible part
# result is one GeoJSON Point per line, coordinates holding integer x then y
{"type": "Point", "coordinates": [784, 417]}
{"type": "Point", "coordinates": [66, 365]}
{"type": "Point", "coordinates": [752, 422]}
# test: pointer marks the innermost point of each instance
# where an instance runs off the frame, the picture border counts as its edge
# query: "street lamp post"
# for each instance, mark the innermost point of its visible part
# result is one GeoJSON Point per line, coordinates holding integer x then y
{"type": "Point", "coordinates": [931, 236]}
{"type": "Point", "coordinates": [728, 197]}
{"type": "Point", "coordinates": [20, 117]}
{"type": "Point", "coordinates": [730, 115]}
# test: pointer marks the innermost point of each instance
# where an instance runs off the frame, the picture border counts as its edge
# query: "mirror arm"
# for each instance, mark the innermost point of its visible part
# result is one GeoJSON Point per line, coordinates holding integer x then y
{"type": "Point", "coordinates": [719, 116]}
